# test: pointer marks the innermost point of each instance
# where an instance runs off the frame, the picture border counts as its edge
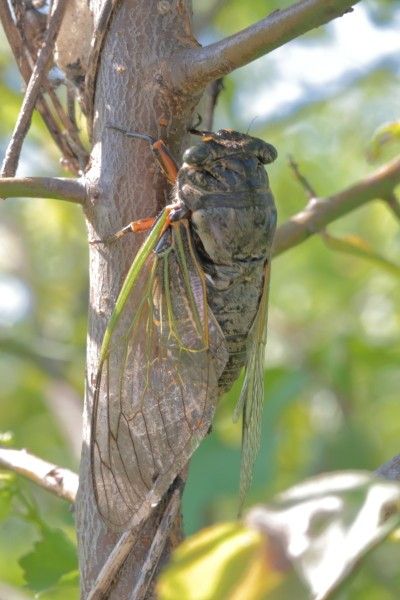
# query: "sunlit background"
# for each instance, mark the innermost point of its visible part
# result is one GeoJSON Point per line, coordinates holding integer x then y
{"type": "Point", "coordinates": [332, 378]}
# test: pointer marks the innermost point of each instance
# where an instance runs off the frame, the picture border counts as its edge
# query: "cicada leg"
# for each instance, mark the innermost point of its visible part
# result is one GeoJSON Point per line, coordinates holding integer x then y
{"type": "Point", "coordinates": [176, 211]}
{"type": "Point", "coordinates": [133, 226]}
{"type": "Point", "coordinates": [160, 151]}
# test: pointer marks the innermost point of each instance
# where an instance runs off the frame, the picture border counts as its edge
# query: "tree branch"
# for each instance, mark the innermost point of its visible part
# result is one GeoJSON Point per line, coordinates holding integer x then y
{"type": "Point", "coordinates": [96, 44]}
{"type": "Point", "coordinates": [199, 66]}
{"type": "Point", "coordinates": [157, 547]}
{"type": "Point", "coordinates": [59, 188]}
{"type": "Point", "coordinates": [394, 205]}
{"type": "Point", "coordinates": [32, 93]}
{"type": "Point", "coordinates": [124, 546]}
{"type": "Point", "coordinates": [210, 102]}
{"type": "Point", "coordinates": [320, 212]}
{"type": "Point", "coordinates": [303, 181]}
{"type": "Point", "coordinates": [61, 482]}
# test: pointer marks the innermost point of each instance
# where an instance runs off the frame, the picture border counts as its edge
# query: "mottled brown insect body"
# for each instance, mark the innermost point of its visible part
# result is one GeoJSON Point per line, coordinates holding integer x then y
{"type": "Point", "coordinates": [191, 313]}
{"type": "Point", "coordinates": [233, 218]}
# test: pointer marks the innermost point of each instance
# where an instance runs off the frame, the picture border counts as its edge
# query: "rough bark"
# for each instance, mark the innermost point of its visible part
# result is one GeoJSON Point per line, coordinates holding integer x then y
{"type": "Point", "coordinates": [124, 184]}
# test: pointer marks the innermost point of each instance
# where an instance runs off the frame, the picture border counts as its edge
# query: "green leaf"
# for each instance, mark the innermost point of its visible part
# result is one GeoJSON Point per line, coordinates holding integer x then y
{"type": "Point", "coordinates": [353, 244]}
{"type": "Point", "coordinates": [67, 588]}
{"type": "Point", "coordinates": [226, 561]}
{"type": "Point", "coordinates": [52, 557]}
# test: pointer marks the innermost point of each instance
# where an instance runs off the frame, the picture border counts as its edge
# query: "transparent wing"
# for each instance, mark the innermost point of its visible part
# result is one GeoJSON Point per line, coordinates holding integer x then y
{"type": "Point", "coordinates": [157, 384]}
{"type": "Point", "coordinates": [250, 403]}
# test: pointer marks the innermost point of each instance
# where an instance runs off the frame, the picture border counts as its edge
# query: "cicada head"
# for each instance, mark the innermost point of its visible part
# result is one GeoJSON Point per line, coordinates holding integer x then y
{"type": "Point", "coordinates": [224, 184]}
{"type": "Point", "coordinates": [226, 141]}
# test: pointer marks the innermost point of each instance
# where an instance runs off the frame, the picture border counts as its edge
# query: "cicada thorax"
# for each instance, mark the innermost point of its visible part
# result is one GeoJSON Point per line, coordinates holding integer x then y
{"type": "Point", "coordinates": [233, 218]}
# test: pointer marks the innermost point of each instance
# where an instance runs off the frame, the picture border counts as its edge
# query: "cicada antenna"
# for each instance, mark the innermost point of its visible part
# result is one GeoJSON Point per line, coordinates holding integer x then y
{"type": "Point", "coordinates": [251, 124]}
{"type": "Point", "coordinates": [135, 134]}
{"type": "Point", "coordinates": [199, 121]}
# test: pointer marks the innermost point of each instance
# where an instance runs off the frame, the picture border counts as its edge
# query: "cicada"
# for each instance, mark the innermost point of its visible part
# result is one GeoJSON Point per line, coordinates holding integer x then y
{"type": "Point", "coordinates": [191, 313]}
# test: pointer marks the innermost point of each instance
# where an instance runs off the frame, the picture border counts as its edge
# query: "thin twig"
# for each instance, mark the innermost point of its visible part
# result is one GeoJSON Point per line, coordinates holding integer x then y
{"type": "Point", "coordinates": [212, 93]}
{"type": "Point", "coordinates": [32, 93]}
{"type": "Point", "coordinates": [22, 58]}
{"type": "Point", "coordinates": [305, 184]}
{"type": "Point", "coordinates": [31, 48]}
{"type": "Point", "coordinates": [125, 545]}
{"type": "Point", "coordinates": [394, 204]}
{"type": "Point", "coordinates": [319, 213]}
{"type": "Point", "coordinates": [113, 564]}
{"type": "Point", "coordinates": [61, 482]}
{"type": "Point", "coordinates": [60, 188]}
{"type": "Point", "coordinates": [68, 129]}
{"type": "Point", "coordinates": [98, 38]}
{"type": "Point", "coordinates": [199, 66]}
{"type": "Point", "coordinates": [71, 111]}
{"type": "Point", "coordinates": [156, 549]}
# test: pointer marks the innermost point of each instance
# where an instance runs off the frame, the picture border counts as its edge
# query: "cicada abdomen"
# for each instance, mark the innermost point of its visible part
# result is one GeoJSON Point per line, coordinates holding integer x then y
{"type": "Point", "coordinates": [224, 184]}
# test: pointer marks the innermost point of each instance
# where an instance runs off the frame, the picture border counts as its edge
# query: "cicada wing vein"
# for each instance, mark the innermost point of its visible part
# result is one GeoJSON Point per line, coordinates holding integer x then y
{"type": "Point", "coordinates": [251, 400]}
{"type": "Point", "coordinates": [157, 385]}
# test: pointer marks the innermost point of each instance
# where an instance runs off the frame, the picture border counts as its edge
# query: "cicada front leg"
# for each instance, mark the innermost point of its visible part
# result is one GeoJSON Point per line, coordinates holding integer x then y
{"type": "Point", "coordinates": [175, 212]}
{"type": "Point", "coordinates": [133, 226]}
{"type": "Point", "coordinates": [168, 166]}
{"type": "Point", "coordinates": [160, 151]}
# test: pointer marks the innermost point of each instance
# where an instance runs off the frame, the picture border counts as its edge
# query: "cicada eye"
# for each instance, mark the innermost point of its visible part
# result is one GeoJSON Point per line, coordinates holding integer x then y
{"type": "Point", "coordinates": [265, 152]}
{"type": "Point", "coordinates": [197, 155]}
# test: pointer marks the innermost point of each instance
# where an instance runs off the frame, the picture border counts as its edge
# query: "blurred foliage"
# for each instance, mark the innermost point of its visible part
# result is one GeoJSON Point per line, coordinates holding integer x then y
{"type": "Point", "coordinates": [35, 554]}
{"type": "Point", "coordinates": [288, 548]}
{"type": "Point", "coordinates": [386, 135]}
{"type": "Point", "coordinates": [353, 244]}
{"type": "Point", "coordinates": [333, 355]}
{"type": "Point", "coordinates": [235, 560]}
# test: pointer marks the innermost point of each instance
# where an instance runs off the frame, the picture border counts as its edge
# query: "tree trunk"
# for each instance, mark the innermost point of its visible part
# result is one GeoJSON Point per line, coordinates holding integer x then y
{"type": "Point", "coordinates": [133, 91]}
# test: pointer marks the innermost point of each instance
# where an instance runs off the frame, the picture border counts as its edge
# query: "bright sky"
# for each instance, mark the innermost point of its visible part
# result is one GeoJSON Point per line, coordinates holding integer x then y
{"type": "Point", "coordinates": [15, 300]}
{"type": "Point", "coordinates": [355, 44]}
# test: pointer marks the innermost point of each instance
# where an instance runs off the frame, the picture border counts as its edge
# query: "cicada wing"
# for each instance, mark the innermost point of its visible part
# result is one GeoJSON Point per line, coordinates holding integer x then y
{"type": "Point", "coordinates": [250, 403]}
{"type": "Point", "coordinates": [157, 388]}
